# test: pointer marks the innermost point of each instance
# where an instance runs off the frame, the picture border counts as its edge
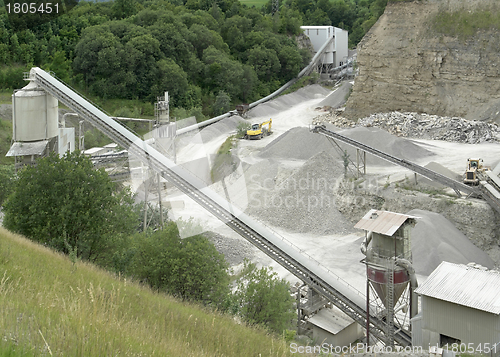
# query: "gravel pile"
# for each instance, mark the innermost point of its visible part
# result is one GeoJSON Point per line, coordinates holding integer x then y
{"type": "Point", "coordinates": [297, 143]}
{"type": "Point", "coordinates": [434, 166]}
{"type": "Point", "coordinates": [289, 100]}
{"type": "Point", "coordinates": [382, 140]}
{"type": "Point", "coordinates": [301, 144]}
{"type": "Point", "coordinates": [436, 239]}
{"type": "Point", "coordinates": [306, 201]}
{"type": "Point", "coordinates": [421, 126]}
{"type": "Point", "coordinates": [234, 250]}
{"type": "Point", "coordinates": [223, 126]}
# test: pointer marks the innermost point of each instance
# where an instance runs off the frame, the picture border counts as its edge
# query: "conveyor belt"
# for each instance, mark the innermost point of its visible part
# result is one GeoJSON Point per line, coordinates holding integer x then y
{"type": "Point", "coordinates": [455, 185]}
{"type": "Point", "coordinates": [341, 294]}
{"type": "Point", "coordinates": [489, 193]}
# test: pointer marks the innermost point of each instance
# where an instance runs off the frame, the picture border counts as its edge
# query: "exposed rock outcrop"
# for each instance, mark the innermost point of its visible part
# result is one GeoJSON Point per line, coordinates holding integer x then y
{"type": "Point", "coordinates": [406, 65]}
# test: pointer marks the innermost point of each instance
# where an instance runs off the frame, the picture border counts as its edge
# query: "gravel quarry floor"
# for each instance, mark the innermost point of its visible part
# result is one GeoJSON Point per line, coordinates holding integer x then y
{"type": "Point", "coordinates": [293, 182]}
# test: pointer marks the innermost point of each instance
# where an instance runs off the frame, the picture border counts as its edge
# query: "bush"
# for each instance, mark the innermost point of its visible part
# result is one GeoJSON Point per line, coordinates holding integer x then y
{"type": "Point", "coordinates": [265, 299]}
{"type": "Point", "coordinates": [189, 268]}
{"type": "Point", "coordinates": [64, 202]}
{"type": "Point", "coordinates": [241, 129]}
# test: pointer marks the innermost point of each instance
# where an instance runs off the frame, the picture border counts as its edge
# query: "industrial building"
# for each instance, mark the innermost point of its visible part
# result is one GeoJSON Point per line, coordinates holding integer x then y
{"type": "Point", "coordinates": [36, 129]}
{"type": "Point", "coordinates": [387, 247]}
{"type": "Point", "coordinates": [335, 328]}
{"type": "Point", "coordinates": [336, 53]}
{"type": "Point", "coordinates": [460, 304]}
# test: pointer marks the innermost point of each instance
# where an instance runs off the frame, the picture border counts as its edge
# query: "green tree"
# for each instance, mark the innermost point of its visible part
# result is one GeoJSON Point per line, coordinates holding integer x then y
{"type": "Point", "coordinates": [124, 8]}
{"type": "Point", "coordinates": [265, 63]}
{"type": "Point", "coordinates": [265, 299]}
{"type": "Point", "coordinates": [189, 268]}
{"type": "Point", "coordinates": [60, 66]}
{"type": "Point", "coordinates": [222, 103]}
{"type": "Point", "coordinates": [291, 62]}
{"type": "Point", "coordinates": [64, 200]}
{"type": "Point", "coordinates": [171, 78]}
{"type": "Point", "coordinates": [6, 181]}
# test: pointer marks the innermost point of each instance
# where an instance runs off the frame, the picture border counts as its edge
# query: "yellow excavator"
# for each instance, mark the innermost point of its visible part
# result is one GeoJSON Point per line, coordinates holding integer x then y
{"type": "Point", "coordinates": [473, 172]}
{"type": "Point", "coordinates": [258, 131]}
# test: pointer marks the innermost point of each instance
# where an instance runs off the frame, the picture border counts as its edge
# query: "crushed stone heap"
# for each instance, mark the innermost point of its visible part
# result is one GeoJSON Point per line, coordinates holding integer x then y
{"type": "Point", "coordinates": [435, 239]}
{"type": "Point", "coordinates": [305, 202]}
{"type": "Point", "coordinates": [421, 126]}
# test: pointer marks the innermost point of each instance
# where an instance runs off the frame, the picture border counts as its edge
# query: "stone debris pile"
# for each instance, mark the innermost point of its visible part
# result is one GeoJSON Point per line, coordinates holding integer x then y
{"type": "Point", "coordinates": [421, 126]}
{"type": "Point", "coordinates": [306, 202]}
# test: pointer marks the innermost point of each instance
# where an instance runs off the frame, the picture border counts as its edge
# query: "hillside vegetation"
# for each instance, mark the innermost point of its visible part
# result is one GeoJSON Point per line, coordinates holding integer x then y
{"type": "Point", "coordinates": [196, 50]}
{"type": "Point", "coordinates": [50, 305]}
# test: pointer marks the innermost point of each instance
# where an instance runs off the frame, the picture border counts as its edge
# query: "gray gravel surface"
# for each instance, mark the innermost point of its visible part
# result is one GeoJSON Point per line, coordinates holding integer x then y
{"type": "Point", "coordinates": [306, 202]}
{"type": "Point", "coordinates": [436, 239]}
{"type": "Point", "coordinates": [221, 127]}
{"type": "Point", "coordinates": [234, 250]}
{"type": "Point", "coordinates": [288, 100]}
{"type": "Point", "coordinates": [297, 143]}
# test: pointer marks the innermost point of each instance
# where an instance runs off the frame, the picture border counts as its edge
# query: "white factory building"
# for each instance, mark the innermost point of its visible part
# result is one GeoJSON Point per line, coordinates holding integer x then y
{"type": "Point", "coordinates": [460, 304]}
{"type": "Point", "coordinates": [337, 51]}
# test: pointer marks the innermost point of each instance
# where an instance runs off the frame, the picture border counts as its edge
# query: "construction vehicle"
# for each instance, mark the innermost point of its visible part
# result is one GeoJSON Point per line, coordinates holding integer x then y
{"type": "Point", "coordinates": [474, 171]}
{"type": "Point", "coordinates": [258, 131]}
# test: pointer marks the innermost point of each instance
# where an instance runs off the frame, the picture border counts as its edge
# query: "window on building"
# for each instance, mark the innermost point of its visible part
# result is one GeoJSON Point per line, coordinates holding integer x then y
{"type": "Point", "coordinates": [447, 340]}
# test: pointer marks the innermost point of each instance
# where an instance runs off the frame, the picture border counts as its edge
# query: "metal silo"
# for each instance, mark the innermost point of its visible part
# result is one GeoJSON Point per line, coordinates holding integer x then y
{"type": "Point", "coordinates": [35, 114]}
{"type": "Point", "coordinates": [387, 247]}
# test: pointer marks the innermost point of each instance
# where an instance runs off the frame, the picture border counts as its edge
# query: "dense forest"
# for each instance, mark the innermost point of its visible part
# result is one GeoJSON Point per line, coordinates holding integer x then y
{"type": "Point", "coordinates": [197, 50]}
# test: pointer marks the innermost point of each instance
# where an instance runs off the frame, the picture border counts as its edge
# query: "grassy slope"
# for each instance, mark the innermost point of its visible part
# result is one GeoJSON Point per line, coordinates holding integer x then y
{"type": "Point", "coordinates": [47, 303]}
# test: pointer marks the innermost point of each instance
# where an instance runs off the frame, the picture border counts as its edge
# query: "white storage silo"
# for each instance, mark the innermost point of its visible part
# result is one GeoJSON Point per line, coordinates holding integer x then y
{"type": "Point", "coordinates": [35, 114]}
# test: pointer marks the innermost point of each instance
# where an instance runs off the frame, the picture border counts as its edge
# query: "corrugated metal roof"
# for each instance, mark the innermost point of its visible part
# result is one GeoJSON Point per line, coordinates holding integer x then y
{"type": "Point", "coordinates": [383, 222]}
{"type": "Point", "coordinates": [331, 320]}
{"type": "Point", "coordinates": [464, 285]}
{"type": "Point", "coordinates": [27, 148]}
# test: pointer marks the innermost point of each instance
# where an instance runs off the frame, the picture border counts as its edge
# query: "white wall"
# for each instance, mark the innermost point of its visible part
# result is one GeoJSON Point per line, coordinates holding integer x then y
{"type": "Point", "coordinates": [341, 46]}
{"type": "Point", "coordinates": [464, 323]}
{"type": "Point", "coordinates": [66, 140]}
{"type": "Point", "coordinates": [337, 50]}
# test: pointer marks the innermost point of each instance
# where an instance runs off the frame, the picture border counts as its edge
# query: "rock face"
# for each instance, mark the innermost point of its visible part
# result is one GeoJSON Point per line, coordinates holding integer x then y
{"type": "Point", "coordinates": [405, 65]}
{"type": "Point", "coordinates": [421, 126]}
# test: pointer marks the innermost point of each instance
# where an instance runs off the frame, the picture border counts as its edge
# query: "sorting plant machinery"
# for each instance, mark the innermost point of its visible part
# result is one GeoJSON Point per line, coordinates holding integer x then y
{"type": "Point", "coordinates": [489, 190]}
{"type": "Point", "coordinates": [258, 131]}
{"type": "Point", "coordinates": [311, 272]}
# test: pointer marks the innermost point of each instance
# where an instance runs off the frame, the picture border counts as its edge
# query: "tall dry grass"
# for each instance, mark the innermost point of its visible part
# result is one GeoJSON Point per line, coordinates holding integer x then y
{"type": "Point", "coordinates": [48, 306]}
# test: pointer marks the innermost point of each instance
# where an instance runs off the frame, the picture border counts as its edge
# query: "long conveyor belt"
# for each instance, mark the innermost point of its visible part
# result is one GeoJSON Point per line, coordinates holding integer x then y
{"type": "Point", "coordinates": [455, 185]}
{"type": "Point", "coordinates": [339, 292]}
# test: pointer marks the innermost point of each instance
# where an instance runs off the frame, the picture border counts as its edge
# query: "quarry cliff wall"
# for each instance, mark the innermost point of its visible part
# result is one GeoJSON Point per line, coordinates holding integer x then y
{"type": "Point", "coordinates": [418, 57]}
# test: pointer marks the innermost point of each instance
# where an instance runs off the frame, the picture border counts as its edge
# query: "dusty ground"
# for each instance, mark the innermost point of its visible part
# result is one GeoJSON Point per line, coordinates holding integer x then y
{"type": "Point", "coordinates": [269, 168]}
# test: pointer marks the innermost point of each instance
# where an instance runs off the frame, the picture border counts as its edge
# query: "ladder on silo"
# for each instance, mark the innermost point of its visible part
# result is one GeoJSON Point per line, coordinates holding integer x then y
{"type": "Point", "coordinates": [390, 303]}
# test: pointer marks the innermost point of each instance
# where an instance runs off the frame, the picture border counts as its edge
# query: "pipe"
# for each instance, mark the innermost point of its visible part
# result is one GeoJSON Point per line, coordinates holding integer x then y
{"type": "Point", "coordinates": [405, 264]}
{"type": "Point", "coordinates": [305, 71]}
{"type": "Point", "coordinates": [364, 246]}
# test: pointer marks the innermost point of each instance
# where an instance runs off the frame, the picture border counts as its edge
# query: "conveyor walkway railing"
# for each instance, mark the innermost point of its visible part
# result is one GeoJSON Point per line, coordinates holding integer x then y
{"type": "Point", "coordinates": [458, 187]}
{"type": "Point", "coordinates": [346, 298]}
{"type": "Point", "coordinates": [486, 191]}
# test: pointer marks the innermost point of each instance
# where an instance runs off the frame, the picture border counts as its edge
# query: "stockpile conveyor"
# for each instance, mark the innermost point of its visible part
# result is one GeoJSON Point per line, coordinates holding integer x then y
{"type": "Point", "coordinates": [489, 194]}
{"type": "Point", "coordinates": [341, 294]}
